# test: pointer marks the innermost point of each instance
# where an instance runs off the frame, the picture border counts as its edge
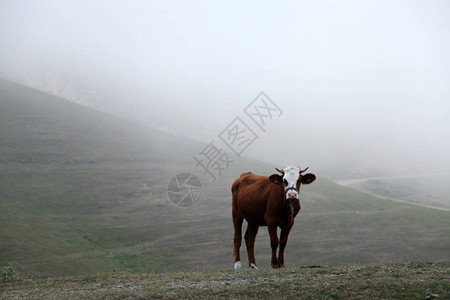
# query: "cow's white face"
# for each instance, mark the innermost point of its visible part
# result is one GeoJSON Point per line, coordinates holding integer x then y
{"type": "Point", "coordinates": [291, 178]}
{"type": "Point", "coordinates": [290, 181]}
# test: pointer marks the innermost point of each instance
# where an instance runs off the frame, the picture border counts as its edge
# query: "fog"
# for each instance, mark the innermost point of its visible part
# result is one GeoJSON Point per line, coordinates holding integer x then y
{"type": "Point", "coordinates": [363, 85]}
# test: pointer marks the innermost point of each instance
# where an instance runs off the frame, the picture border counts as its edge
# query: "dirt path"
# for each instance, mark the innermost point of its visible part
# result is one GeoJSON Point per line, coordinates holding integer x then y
{"type": "Point", "coordinates": [356, 183]}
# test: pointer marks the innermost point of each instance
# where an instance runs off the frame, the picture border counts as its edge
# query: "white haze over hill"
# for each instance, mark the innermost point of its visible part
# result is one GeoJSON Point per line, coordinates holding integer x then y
{"type": "Point", "coordinates": [363, 85]}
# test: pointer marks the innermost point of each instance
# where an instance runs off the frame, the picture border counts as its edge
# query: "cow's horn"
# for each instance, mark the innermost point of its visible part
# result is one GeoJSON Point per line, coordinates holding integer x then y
{"type": "Point", "coordinates": [301, 171]}
{"type": "Point", "coordinates": [281, 171]}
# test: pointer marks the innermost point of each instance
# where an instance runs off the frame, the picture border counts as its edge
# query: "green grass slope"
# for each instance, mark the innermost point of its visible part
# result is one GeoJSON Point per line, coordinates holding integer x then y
{"type": "Point", "coordinates": [83, 192]}
{"type": "Point", "coordinates": [418, 280]}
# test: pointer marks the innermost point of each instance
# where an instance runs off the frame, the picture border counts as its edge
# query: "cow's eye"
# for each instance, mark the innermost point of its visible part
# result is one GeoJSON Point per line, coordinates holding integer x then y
{"type": "Point", "coordinates": [285, 182]}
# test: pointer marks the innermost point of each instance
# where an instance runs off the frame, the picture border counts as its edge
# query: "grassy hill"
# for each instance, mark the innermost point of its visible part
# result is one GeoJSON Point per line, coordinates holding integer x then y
{"type": "Point", "coordinates": [418, 280]}
{"type": "Point", "coordinates": [82, 192]}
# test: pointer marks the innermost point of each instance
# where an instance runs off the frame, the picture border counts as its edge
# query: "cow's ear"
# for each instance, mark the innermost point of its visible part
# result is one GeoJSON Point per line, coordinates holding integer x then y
{"type": "Point", "coordinates": [308, 178]}
{"type": "Point", "coordinates": [275, 178]}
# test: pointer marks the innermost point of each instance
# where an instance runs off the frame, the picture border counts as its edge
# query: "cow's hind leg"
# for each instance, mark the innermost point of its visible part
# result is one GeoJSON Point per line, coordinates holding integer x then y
{"type": "Point", "coordinates": [250, 236]}
{"type": "Point", "coordinates": [237, 221]}
{"type": "Point", "coordinates": [274, 245]}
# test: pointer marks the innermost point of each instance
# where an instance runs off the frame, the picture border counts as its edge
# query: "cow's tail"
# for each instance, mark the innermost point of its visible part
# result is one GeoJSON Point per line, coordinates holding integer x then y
{"type": "Point", "coordinates": [234, 208]}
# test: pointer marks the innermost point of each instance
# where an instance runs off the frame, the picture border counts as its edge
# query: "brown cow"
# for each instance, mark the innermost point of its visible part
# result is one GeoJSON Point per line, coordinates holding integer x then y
{"type": "Point", "coordinates": [266, 201]}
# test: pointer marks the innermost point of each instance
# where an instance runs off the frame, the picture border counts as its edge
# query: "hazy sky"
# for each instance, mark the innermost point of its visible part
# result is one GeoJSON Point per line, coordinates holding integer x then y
{"type": "Point", "coordinates": [359, 82]}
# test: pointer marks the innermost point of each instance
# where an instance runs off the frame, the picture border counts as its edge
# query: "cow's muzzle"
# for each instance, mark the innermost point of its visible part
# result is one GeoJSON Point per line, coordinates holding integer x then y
{"type": "Point", "coordinates": [291, 193]}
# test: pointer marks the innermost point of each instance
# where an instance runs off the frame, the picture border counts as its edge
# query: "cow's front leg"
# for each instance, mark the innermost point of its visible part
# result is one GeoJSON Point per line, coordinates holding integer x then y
{"type": "Point", "coordinates": [274, 245]}
{"type": "Point", "coordinates": [283, 241]}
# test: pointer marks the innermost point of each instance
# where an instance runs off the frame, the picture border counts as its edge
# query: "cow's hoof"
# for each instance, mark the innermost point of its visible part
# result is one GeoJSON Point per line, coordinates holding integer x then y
{"type": "Point", "coordinates": [253, 266]}
{"type": "Point", "coordinates": [276, 266]}
{"type": "Point", "coordinates": [237, 265]}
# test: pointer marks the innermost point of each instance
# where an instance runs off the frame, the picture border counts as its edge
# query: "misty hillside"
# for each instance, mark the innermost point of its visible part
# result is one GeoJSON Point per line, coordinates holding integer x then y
{"type": "Point", "coordinates": [83, 192]}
